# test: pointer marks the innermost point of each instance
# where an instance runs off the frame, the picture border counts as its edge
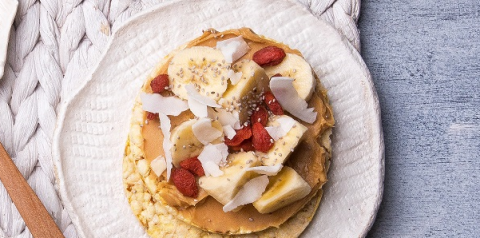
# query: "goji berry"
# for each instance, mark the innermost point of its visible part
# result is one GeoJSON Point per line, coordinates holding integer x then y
{"type": "Point", "coordinates": [261, 140]}
{"type": "Point", "coordinates": [269, 56]}
{"type": "Point", "coordinates": [160, 83]}
{"type": "Point", "coordinates": [185, 182]}
{"type": "Point", "coordinates": [273, 104]}
{"type": "Point", "coordinates": [246, 145]}
{"type": "Point", "coordinates": [260, 114]}
{"type": "Point", "coordinates": [193, 165]}
{"type": "Point", "coordinates": [242, 134]}
{"type": "Point", "coordinates": [152, 116]}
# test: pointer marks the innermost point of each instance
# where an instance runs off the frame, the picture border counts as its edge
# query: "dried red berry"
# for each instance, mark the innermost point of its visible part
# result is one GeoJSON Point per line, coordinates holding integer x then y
{"type": "Point", "coordinates": [242, 134]}
{"type": "Point", "coordinates": [269, 56]}
{"type": "Point", "coordinates": [260, 114]}
{"type": "Point", "coordinates": [152, 116]}
{"type": "Point", "coordinates": [160, 83]}
{"type": "Point", "coordinates": [246, 145]}
{"type": "Point", "coordinates": [193, 165]}
{"type": "Point", "coordinates": [273, 104]}
{"type": "Point", "coordinates": [261, 140]}
{"type": "Point", "coordinates": [185, 182]}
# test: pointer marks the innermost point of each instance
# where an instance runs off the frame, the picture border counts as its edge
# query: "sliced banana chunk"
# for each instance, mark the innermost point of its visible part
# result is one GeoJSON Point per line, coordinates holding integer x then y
{"type": "Point", "coordinates": [294, 66]}
{"type": "Point", "coordinates": [284, 146]}
{"type": "Point", "coordinates": [247, 91]}
{"type": "Point", "coordinates": [283, 189]}
{"type": "Point", "coordinates": [185, 143]}
{"type": "Point", "coordinates": [201, 66]}
{"type": "Point", "coordinates": [224, 188]}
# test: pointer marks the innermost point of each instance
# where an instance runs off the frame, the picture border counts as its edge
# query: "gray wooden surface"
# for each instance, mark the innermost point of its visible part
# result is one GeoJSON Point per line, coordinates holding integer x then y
{"type": "Point", "coordinates": [424, 56]}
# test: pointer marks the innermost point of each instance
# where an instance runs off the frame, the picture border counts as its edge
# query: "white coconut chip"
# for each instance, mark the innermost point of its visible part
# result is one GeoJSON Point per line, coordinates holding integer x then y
{"type": "Point", "coordinates": [198, 109]}
{"type": "Point", "coordinates": [223, 148]}
{"type": "Point", "coordinates": [157, 103]}
{"type": "Point", "coordinates": [165, 127]}
{"type": "Point", "coordinates": [233, 48]}
{"type": "Point", "coordinates": [211, 156]}
{"type": "Point", "coordinates": [250, 192]}
{"type": "Point", "coordinates": [285, 125]}
{"type": "Point", "coordinates": [229, 131]}
{"type": "Point", "coordinates": [158, 165]}
{"type": "Point", "coordinates": [237, 125]}
{"type": "Point", "coordinates": [212, 169]}
{"type": "Point", "coordinates": [283, 90]}
{"type": "Point", "coordinates": [204, 131]}
{"type": "Point", "coordinates": [234, 77]}
{"type": "Point", "coordinates": [276, 132]}
{"type": "Point", "coordinates": [225, 117]}
{"type": "Point", "coordinates": [267, 170]}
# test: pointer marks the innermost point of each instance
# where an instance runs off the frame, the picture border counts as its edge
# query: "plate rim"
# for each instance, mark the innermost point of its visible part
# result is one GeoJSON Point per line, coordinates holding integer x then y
{"type": "Point", "coordinates": [64, 193]}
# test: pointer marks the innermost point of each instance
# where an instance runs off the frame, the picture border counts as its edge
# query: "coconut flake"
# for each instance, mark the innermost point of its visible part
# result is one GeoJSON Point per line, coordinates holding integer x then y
{"type": "Point", "coordinates": [267, 170]}
{"type": "Point", "coordinates": [276, 132]}
{"type": "Point", "coordinates": [223, 148]}
{"type": "Point", "coordinates": [233, 48]}
{"type": "Point", "coordinates": [204, 131]}
{"type": "Point", "coordinates": [157, 103]}
{"type": "Point", "coordinates": [167, 145]}
{"type": "Point", "coordinates": [198, 109]}
{"type": "Point", "coordinates": [236, 125]}
{"type": "Point", "coordinates": [211, 156]}
{"type": "Point", "coordinates": [250, 192]}
{"type": "Point", "coordinates": [211, 169]}
{"type": "Point", "coordinates": [285, 125]}
{"type": "Point", "coordinates": [193, 93]}
{"type": "Point", "coordinates": [234, 77]}
{"type": "Point", "coordinates": [225, 117]}
{"type": "Point", "coordinates": [229, 131]}
{"type": "Point", "coordinates": [283, 90]}
{"type": "Point", "coordinates": [158, 165]}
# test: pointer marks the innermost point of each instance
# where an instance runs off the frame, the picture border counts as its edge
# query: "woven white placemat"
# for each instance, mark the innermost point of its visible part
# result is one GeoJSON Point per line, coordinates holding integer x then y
{"type": "Point", "coordinates": [53, 44]}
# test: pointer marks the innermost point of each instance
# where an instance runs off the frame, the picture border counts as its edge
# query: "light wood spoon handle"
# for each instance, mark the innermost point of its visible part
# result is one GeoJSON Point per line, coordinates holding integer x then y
{"type": "Point", "coordinates": [36, 217]}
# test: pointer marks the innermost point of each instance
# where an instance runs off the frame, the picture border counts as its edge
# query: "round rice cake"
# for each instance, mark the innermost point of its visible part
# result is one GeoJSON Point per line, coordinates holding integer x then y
{"type": "Point", "coordinates": [163, 210]}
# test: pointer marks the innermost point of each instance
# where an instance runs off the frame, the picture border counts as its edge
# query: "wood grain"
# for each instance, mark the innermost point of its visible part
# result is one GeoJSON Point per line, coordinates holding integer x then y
{"type": "Point", "coordinates": [36, 217]}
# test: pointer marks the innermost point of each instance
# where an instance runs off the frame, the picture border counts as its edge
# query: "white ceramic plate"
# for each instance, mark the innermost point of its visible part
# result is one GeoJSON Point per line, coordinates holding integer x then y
{"type": "Point", "coordinates": [93, 123]}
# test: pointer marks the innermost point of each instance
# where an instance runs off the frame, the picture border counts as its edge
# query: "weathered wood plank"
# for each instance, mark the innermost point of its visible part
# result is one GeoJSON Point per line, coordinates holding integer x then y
{"type": "Point", "coordinates": [424, 59]}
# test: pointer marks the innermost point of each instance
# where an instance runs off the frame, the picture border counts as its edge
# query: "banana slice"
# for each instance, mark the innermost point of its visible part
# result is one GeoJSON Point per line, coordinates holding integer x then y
{"type": "Point", "coordinates": [226, 186]}
{"type": "Point", "coordinates": [247, 91]}
{"type": "Point", "coordinates": [283, 189]}
{"type": "Point", "coordinates": [185, 143]}
{"type": "Point", "coordinates": [294, 66]}
{"type": "Point", "coordinates": [284, 146]}
{"type": "Point", "coordinates": [201, 66]}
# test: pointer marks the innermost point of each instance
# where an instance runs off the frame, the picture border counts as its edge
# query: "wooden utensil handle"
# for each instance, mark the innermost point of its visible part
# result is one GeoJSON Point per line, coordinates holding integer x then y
{"type": "Point", "coordinates": [36, 217]}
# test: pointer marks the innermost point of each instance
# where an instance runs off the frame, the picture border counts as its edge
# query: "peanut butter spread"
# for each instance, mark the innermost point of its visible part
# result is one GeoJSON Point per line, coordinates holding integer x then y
{"type": "Point", "coordinates": [310, 159]}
